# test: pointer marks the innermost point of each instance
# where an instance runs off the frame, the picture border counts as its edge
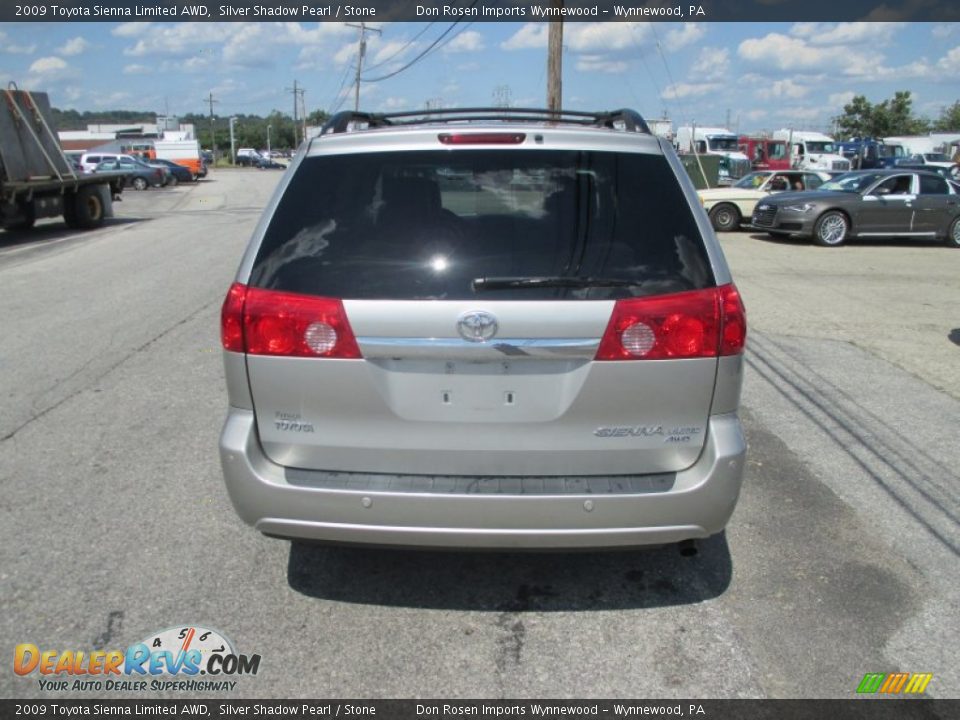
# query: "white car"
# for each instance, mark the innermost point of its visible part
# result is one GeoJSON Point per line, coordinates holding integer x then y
{"type": "Point", "coordinates": [728, 206]}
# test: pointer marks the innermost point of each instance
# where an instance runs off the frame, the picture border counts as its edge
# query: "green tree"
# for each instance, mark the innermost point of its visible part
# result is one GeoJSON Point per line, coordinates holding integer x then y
{"type": "Point", "coordinates": [856, 118]}
{"type": "Point", "coordinates": [893, 116]}
{"type": "Point", "coordinates": [949, 120]}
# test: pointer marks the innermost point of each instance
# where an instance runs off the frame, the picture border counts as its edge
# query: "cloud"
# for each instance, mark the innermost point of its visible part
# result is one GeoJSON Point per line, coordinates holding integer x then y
{"type": "Point", "coordinates": [603, 37]}
{"type": "Point", "coordinates": [135, 69]}
{"type": "Point", "coordinates": [597, 63]}
{"type": "Point", "coordinates": [782, 52]}
{"type": "Point", "coordinates": [682, 90]}
{"type": "Point", "coordinates": [839, 99]}
{"type": "Point", "coordinates": [801, 113]}
{"type": "Point", "coordinates": [74, 46]}
{"type": "Point", "coordinates": [12, 48]}
{"type": "Point", "coordinates": [950, 63]}
{"type": "Point", "coordinates": [48, 65]}
{"type": "Point", "coordinates": [131, 29]}
{"type": "Point", "coordinates": [250, 46]}
{"type": "Point", "coordinates": [114, 99]}
{"type": "Point", "coordinates": [685, 35]}
{"type": "Point", "coordinates": [851, 33]}
{"type": "Point", "coordinates": [395, 103]}
{"type": "Point", "coordinates": [530, 36]}
{"type": "Point", "coordinates": [786, 88]}
{"type": "Point", "coordinates": [944, 31]}
{"type": "Point", "coordinates": [711, 63]}
{"type": "Point", "coordinates": [184, 39]}
{"type": "Point", "coordinates": [393, 50]}
{"type": "Point", "coordinates": [469, 41]}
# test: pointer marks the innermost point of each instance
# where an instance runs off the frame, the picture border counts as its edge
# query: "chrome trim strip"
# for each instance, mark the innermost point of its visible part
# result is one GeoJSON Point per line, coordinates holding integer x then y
{"type": "Point", "coordinates": [899, 234]}
{"type": "Point", "coordinates": [514, 348]}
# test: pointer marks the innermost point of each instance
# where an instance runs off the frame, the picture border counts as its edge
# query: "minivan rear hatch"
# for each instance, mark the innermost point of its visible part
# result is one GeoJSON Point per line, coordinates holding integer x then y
{"type": "Point", "coordinates": [455, 312]}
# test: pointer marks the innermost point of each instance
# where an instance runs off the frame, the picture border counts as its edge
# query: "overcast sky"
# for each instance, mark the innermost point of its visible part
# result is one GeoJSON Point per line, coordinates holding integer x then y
{"type": "Point", "coordinates": [762, 76]}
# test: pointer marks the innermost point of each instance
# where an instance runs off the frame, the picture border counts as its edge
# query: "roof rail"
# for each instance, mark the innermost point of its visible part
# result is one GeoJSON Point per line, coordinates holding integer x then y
{"type": "Point", "coordinates": [631, 119]}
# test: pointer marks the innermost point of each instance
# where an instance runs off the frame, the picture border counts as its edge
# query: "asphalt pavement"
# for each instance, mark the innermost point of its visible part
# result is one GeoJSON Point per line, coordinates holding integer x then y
{"type": "Point", "coordinates": [841, 559]}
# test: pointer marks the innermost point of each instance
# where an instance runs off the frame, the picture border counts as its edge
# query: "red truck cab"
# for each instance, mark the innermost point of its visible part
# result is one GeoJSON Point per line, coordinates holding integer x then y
{"type": "Point", "coordinates": [765, 153]}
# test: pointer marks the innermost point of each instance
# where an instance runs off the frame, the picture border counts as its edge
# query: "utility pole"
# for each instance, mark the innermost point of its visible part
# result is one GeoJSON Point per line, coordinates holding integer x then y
{"type": "Point", "coordinates": [213, 145]}
{"type": "Point", "coordinates": [555, 63]}
{"type": "Point", "coordinates": [296, 104]}
{"type": "Point", "coordinates": [233, 152]}
{"type": "Point", "coordinates": [361, 51]}
{"type": "Point", "coordinates": [303, 113]}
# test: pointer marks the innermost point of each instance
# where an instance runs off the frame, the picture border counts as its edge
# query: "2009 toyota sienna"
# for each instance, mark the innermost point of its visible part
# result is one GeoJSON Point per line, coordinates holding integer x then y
{"type": "Point", "coordinates": [484, 328]}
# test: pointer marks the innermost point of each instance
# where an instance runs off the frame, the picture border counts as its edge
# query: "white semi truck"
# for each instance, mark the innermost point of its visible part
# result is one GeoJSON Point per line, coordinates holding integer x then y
{"type": "Point", "coordinates": [813, 150]}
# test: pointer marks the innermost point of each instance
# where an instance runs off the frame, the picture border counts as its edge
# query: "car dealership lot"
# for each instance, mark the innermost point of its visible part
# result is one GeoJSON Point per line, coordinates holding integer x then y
{"type": "Point", "coordinates": [841, 558]}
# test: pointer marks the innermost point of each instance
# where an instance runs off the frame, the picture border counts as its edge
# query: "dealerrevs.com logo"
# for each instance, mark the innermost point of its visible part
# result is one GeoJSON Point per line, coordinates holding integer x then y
{"type": "Point", "coordinates": [186, 658]}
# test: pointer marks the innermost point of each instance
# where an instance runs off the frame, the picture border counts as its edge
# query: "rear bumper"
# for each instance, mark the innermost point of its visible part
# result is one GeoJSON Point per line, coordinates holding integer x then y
{"type": "Point", "coordinates": [698, 503]}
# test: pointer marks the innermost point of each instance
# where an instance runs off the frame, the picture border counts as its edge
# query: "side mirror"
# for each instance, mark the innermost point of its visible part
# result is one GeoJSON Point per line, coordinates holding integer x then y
{"type": "Point", "coordinates": [881, 191]}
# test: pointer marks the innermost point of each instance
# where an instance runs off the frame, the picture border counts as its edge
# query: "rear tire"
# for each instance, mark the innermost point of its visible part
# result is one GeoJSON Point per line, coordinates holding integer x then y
{"type": "Point", "coordinates": [173, 181]}
{"type": "Point", "coordinates": [725, 217]}
{"type": "Point", "coordinates": [85, 209]}
{"type": "Point", "coordinates": [953, 234]}
{"type": "Point", "coordinates": [831, 229]}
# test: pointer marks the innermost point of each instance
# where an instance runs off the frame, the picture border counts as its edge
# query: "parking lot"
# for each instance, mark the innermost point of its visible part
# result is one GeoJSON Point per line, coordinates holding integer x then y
{"type": "Point", "coordinates": [841, 558]}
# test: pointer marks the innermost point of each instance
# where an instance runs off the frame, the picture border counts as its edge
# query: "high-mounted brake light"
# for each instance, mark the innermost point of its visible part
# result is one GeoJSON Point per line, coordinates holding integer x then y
{"type": "Point", "coordinates": [268, 322]}
{"type": "Point", "coordinates": [490, 138]}
{"type": "Point", "coordinates": [701, 323]}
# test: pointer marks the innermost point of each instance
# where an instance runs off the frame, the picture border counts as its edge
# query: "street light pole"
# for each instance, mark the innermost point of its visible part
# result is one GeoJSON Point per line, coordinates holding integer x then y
{"type": "Point", "coordinates": [233, 152]}
{"type": "Point", "coordinates": [269, 128]}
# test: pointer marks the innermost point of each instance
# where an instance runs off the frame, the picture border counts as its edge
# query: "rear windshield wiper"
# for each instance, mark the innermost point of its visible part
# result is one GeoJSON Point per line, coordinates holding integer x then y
{"type": "Point", "coordinates": [559, 281]}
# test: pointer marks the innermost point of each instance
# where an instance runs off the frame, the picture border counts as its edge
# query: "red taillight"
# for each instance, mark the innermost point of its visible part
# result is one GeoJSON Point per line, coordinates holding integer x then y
{"type": "Point", "coordinates": [701, 323]}
{"type": "Point", "coordinates": [267, 322]}
{"type": "Point", "coordinates": [734, 317]}
{"type": "Point", "coordinates": [490, 138]}
{"type": "Point", "coordinates": [231, 318]}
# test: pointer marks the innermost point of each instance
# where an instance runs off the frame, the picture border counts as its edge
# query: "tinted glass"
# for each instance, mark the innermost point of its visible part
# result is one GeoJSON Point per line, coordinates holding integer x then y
{"type": "Point", "coordinates": [752, 181]}
{"type": "Point", "coordinates": [852, 182]}
{"type": "Point", "coordinates": [932, 185]}
{"type": "Point", "coordinates": [419, 225]}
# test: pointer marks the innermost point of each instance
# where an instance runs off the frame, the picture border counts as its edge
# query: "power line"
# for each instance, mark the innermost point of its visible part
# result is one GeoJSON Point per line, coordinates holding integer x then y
{"type": "Point", "coordinates": [401, 50]}
{"type": "Point", "coordinates": [339, 97]}
{"type": "Point", "coordinates": [422, 55]}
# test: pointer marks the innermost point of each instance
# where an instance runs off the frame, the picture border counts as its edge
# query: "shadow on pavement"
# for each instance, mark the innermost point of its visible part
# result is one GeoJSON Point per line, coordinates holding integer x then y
{"type": "Point", "coordinates": [49, 232]}
{"type": "Point", "coordinates": [512, 582]}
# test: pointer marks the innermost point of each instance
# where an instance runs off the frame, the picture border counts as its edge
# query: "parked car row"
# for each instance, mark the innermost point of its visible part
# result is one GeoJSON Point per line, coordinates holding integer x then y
{"type": "Point", "coordinates": [248, 157]}
{"type": "Point", "coordinates": [867, 203]}
{"type": "Point", "coordinates": [171, 173]}
{"type": "Point", "coordinates": [728, 206]}
{"type": "Point", "coordinates": [898, 202]}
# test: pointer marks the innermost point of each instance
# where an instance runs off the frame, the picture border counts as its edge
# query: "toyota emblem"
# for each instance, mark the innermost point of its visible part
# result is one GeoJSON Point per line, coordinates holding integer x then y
{"type": "Point", "coordinates": [477, 326]}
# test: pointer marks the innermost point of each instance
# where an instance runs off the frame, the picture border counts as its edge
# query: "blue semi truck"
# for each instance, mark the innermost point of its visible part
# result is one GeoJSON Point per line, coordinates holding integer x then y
{"type": "Point", "coordinates": [870, 153]}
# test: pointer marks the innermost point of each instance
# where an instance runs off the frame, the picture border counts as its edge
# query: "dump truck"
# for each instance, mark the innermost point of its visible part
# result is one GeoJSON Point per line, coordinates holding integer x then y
{"type": "Point", "coordinates": [36, 178]}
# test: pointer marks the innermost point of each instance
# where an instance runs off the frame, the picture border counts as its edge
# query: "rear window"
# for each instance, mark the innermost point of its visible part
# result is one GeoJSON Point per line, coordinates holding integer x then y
{"type": "Point", "coordinates": [428, 224]}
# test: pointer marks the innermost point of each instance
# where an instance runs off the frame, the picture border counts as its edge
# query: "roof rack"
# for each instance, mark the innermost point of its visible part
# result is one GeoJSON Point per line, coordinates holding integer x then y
{"type": "Point", "coordinates": [631, 119]}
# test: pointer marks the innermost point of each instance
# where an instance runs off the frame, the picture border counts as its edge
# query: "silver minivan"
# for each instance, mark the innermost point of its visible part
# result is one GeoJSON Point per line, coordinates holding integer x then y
{"type": "Point", "coordinates": [485, 328]}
